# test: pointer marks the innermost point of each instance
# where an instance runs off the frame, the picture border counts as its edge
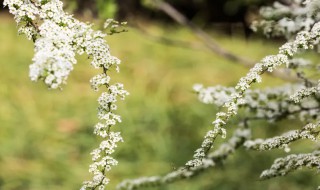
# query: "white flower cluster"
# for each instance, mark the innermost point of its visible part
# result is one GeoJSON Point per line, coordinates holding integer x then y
{"type": "Point", "coordinates": [107, 105]}
{"type": "Point", "coordinates": [306, 92]}
{"type": "Point", "coordinates": [54, 55]}
{"type": "Point", "coordinates": [102, 161]}
{"type": "Point", "coordinates": [283, 166]}
{"type": "Point", "coordinates": [58, 38]}
{"type": "Point", "coordinates": [114, 27]}
{"type": "Point", "coordinates": [310, 131]}
{"type": "Point", "coordinates": [24, 12]}
{"type": "Point", "coordinates": [268, 104]}
{"type": "Point", "coordinates": [99, 80]}
{"type": "Point", "coordinates": [217, 95]}
{"type": "Point", "coordinates": [288, 19]}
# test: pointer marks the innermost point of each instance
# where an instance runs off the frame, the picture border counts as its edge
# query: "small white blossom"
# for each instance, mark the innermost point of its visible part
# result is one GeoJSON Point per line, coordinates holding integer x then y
{"type": "Point", "coordinates": [310, 131]}
{"type": "Point", "coordinates": [283, 166]}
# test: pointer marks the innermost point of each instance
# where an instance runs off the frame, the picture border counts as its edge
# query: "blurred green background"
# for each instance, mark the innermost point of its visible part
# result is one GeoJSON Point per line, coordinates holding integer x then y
{"type": "Point", "coordinates": [46, 136]}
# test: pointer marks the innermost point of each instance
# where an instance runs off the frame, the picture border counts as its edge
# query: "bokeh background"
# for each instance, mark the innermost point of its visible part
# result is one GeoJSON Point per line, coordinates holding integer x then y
{"type": "Point", "coordinates": [46, 135]}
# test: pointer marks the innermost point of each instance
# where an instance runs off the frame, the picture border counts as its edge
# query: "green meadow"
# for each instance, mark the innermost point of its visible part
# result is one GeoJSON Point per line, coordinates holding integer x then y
{"type": "Point", "coordinates": [46, 135]}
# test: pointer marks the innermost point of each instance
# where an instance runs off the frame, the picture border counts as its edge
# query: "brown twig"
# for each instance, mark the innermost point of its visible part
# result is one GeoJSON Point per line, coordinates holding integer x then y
{"type": "Point", "coordinates": [168, 41]}
{"type": "Point", "coordinates": [210, 42]}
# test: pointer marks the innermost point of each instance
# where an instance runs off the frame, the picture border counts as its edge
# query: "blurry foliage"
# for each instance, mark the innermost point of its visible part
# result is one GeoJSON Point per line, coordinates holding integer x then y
{"type": "Point", "coordinates": [107, 8]}
{"type": "Point", "coordinates": [204, 10]}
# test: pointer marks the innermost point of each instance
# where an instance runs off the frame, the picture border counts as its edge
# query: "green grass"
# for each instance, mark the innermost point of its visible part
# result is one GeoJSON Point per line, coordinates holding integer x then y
{"type": "Point", "coordinates": [46, 136]}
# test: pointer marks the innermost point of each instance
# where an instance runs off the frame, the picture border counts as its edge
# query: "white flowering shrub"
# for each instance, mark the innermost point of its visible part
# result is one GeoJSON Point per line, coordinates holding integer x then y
{"type": "Point", "coordinates": [298, 22]}
{"type": "Point", "coordinates": [288, 19]}
{"type": "Point", "coordinates": [58, 37]}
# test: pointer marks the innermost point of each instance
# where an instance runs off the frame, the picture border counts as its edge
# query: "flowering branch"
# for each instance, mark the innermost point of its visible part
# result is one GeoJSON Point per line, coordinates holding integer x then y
{"type": "Point", "coordinates": [305, 93]}
{"type": "Point", "coordinates": [304, 40]}
{"type": "Point", "coordinates": [210, 161]}
{"type": "Point", "coordinates": [287, 19]}
{"type": "Point", "coordinates": [58, 37]}
{"type": "Point", "coordinates": [310, 131]}
{"type": "Point", "coordinates": [269, 104]}
{"type": "Point", "coordinates": [283, 166]}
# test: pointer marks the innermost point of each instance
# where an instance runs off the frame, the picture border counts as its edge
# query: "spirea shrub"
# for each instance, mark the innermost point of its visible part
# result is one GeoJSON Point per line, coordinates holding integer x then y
{"type": "Point", "coordinates": [58, 37]}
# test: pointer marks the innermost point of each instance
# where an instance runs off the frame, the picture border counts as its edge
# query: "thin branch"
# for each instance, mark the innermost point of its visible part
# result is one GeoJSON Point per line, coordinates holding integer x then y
{"type": "Point", "coordinates": [217, 157]}
{"type": "Point", "coordinates": [167, 41]}
{"type": "Point", "coordinates": [292, 162]}
{"type": "Point", "coordinates": [209, 41]}
{"type": "Point", "coordinates": [309, 131]}
{"type": "Point", "coordinates": [281, 115]}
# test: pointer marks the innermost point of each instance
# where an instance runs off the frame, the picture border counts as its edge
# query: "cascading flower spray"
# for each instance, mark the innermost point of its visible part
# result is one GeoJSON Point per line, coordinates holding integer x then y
{"type": "Point", "coordinates": [58, 37]}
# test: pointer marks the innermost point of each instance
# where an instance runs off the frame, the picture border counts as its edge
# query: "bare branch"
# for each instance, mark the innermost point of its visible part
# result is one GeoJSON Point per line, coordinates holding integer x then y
{"type": "Point", "coordinates": [210, 42]}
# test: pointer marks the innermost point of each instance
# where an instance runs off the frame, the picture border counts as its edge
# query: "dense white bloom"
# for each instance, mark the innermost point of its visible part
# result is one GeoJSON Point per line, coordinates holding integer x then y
{"type": "Point", "coordinates": [58, 37]}
{"type": "Point", "coordinates": [268, 104]}
{"type": "Point", "coordinates": [288, 19]}
{"type": "Point", "coordinates": [305, 92]}
{"type": "Point", "coordinates": [310, 131]}
{"type": "Point", "coordinates": [283, 166]}
{"type": "Point", "coordinates": [99, 80]}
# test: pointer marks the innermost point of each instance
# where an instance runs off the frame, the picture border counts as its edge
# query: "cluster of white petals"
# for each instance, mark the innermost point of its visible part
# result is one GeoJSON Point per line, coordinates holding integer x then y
{"type": "Point", "coordinates": [268, 104]}
{"type": "Point", "coordinates": [305, 93]}
{"type": "Point", "coordinates": [58, 37]}
{"type": "Point", "coordinates": [283, 166]}
{"type": "Point", "coordinates": [310, 131]}
{"type": "Point", "coordinates": [288, 18]}
{"type": "Point", "coordinates": [102, 161]}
